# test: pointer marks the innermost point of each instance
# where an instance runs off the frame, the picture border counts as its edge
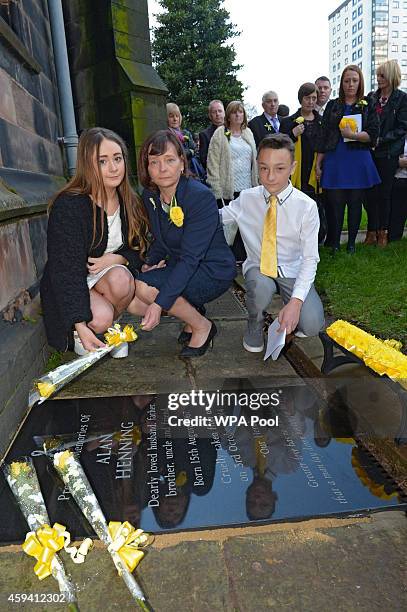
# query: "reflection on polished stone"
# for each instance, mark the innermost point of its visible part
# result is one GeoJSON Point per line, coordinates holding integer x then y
{"type": "Point", "coordinates": [202, 459]}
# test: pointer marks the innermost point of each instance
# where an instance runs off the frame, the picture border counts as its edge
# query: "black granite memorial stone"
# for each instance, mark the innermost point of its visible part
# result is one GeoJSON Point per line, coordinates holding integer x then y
{"type": "Point", "coordinates": [201, 460]}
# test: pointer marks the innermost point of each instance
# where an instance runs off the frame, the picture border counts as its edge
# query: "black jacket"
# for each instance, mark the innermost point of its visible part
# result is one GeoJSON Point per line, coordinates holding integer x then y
{"type": "Point", "coordinates": [259, 129]}
{"type": "Point", "coordinates": [64, 291]}
{"type": "Point", "coordinates": [330, 132]}
{"type": "Point", "coordinates": [204, 140]}
{"type": "Point", "coordinates": [288, 124]}
{"type": "Point", "coordinates": [393, 124]}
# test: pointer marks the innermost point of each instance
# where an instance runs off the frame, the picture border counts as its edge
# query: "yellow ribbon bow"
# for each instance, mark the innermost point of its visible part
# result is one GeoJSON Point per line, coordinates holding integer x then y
{"type": "Point", "coordinates": [115, 336]}
{"type": "Point", "coordinates": [126, 541]}
{"type": "Point", "coordinates": [42, 545]}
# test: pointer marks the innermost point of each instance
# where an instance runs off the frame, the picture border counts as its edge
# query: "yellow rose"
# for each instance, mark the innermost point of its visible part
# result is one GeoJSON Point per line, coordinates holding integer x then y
{"type": "Point", "coordinates": [19, 467]}
{"type": "Point", "coordinates": [62, 458]}
{"type": "Point", "coordinates": [299, 120]}
{"type": "Point", "coordinates": [348, 122]}
{"type": "Point", "coordinates": [46, 389]}
{"type": "Point", "coordinates": [177, 216]}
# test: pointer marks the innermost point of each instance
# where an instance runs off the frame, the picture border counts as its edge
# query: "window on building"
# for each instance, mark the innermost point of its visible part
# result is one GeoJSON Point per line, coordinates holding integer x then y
{"type": "Point", "coordinates": [404, 33]}
{"type": "Point", "coordinates": [346, 48]}
{"type": "Point", "coordinates": [10, 12]}
{"type": "Point", "coordinates": [354, 56]}
{"type": "Point", "coordinates": [354, 14]}
{"type": "Point", "coordinates": [334, 56]}
{"type": "Point", "coordinates": [404, 63]}
{"type": "Point", "coordinates": [334, 43]}
{"type": "Point", "coordinates": [334, 30]}
{"type": "Point", "coordinates": [354, 43]}
{"type": "Point", "coordinates": [405, 5]}
{"type": "Point", "coordinates": [359, 52]}
{"type": "Point", "coordinates": [334, 68]}
{"type": "Point", "coordinates": [360, 65]}
{"type": "Point", "coordinates": [404, 18]}
{"type": "Point", "coordinates": [360, 38]}
{"type": "Point", "coordinates": [338, 40]}
{"type": "Point", "coordinates": [339, 53]}
{"type": "Point", "coordinates": [346, 21]}
{"type": "Point", "coordinates": [394, 48]}
{"type": "Point", "coordinates": [354, 28]}
{"type": "Point", "coordinates": [338, 66]}
{"type": "Point", "coordinates": [395, 34]}
{"type": "Point", "coordinates": [339, 27]}
{"type": "Point", "coordinates": [396, 4]}
{"type": "Point", "coordinates": [360, 10]}
{"type": "Point", "coordinates": [346, 34]}
{"type": "Point", "coordinates": [354, 2]}
{"type": "Point", "coordinates": [395, 19]}
{"type": "Point", "coordinates": [404, 48]}
{"type": "Point", "coordinates": [346, 61]}
{"type": "Point", "coordinates": [360, 24]}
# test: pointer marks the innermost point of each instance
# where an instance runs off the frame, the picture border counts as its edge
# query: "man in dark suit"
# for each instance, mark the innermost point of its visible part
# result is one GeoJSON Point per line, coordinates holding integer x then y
{"type": "Point", "coordinates": [269, 121]}
{"type": "Point", "coordinates": [216, 114]}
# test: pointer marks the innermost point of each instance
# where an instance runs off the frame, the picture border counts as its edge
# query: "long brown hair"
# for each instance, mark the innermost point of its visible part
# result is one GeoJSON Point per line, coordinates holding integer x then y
{"type": "Point", "coordinates": [88, 180]}
{"type": "Point", "coordinates": [361, 89]}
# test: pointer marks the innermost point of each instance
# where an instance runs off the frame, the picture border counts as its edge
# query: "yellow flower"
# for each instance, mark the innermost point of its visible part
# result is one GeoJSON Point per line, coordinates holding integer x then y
{"type": "Point", "coordinates": [348, 122]}
{"type": "Point", "coordinates": [61, 459]}
{"type": "Point", "coordinates": [45, 389]}
{"type": "Point", "coordinates": [19, 467]}
{"type": "Point", "coordinates": [362, 102]}
{"type": "Point", "coordinates": [115, 336]}
{"type": "Point", "coordinates": [299, 120]}
{"type": "Point", "coordinates": [177, 216]}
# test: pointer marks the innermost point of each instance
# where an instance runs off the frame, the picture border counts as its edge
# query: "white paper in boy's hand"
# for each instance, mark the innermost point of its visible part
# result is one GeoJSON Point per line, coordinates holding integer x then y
{"type": "Point", "coordinates": [275, 341]}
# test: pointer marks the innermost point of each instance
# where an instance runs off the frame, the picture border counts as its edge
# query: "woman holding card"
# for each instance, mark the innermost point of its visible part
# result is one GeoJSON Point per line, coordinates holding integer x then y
{"type": "Point", "coordinates": [345, 166]}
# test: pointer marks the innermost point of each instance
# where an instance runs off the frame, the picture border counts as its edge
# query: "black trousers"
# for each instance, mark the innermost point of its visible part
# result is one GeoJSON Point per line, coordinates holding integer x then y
{"type": "Point", "coordinates": [337, 199]}
{"type": "Point", "coordinates": [398, 211]}
{"type": "Point", "coordinates": [378, 201]}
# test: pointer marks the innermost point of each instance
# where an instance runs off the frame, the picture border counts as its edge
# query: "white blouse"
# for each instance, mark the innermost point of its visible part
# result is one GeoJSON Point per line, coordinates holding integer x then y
{"type": "Point", "coordinates": [241, 163]}
{"type": "Point", "coordinates": [114, 228]}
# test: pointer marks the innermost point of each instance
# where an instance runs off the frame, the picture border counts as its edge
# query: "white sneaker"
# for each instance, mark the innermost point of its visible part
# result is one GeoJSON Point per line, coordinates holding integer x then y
{"type": "Point", "coordinates": [78, 346]}
{"type": "Point", "coordinates": [300, 334]}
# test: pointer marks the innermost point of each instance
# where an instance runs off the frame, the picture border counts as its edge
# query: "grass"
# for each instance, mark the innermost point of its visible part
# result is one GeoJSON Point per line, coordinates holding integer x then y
{"type": "Point", "coordinates": [363, 221]}
{"type": "Point", "coordinates": [368, 289]}
{"type": "Point", "coordinates": [54, 360]}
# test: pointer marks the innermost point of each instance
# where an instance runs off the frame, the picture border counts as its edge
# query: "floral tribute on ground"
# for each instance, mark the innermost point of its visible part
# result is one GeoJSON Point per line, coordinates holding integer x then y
{"type": "Point", "coordinates": [123, 541]}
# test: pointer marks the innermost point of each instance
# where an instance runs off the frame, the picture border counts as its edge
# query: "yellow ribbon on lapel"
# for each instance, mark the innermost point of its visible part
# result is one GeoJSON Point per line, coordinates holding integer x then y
{"type": "Point", "coordinates": [42, 545]}
{"type": "Point", "coordinates": [115, 336]}
{"type": "Point", "coordinates": [126, 541]}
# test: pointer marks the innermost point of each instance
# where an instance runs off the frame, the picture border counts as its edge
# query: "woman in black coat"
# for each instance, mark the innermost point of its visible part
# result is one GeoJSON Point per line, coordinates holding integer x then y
{"type": "Point", "coordinates": [96, 237]}
{"type": "Point", "coordinates": [391, 107]}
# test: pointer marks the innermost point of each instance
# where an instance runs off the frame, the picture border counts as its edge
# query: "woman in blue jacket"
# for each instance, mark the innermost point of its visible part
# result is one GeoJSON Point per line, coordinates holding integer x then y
{"type": "Point", "coordinates": [189, 262]}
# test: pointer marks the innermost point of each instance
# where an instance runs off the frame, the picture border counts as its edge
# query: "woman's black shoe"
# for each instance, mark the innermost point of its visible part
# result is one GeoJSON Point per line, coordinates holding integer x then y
{"type": "Point", "coordinates": [190, 351]}
{"type": "Point", "coordinates": [351, 249]}
{"type": "Point", "coordinates": [184, 337]}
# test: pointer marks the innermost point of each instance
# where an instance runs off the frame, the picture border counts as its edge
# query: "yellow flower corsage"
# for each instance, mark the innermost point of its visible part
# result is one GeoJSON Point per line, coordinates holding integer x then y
{"type": "Point", "coordinates": [176, 213]}
{"type": "Point", "coordinates": [362, 102]}
{"type": "Point", "coordinates": [299, 120]}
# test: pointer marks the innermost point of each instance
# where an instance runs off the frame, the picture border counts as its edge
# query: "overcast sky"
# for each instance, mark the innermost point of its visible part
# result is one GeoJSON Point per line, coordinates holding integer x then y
{"type": "Point", "coordinates": [282, 44]}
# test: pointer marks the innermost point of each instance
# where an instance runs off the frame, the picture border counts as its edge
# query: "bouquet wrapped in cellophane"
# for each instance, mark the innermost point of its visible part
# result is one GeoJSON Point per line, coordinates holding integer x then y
{"type": "Point", "coordinates": [122, 540]}
{"type": "Point", "coordinates": [53, 381]}
{"type": "Point", "coordinates": [43, 541]}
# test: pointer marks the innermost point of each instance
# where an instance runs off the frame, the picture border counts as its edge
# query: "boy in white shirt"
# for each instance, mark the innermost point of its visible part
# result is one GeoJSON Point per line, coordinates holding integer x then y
{"type": "Point", "coordinates": [279, 227]}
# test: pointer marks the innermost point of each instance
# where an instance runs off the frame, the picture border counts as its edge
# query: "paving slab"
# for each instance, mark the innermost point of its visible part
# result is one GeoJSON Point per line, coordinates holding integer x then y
{"type": "Point", "coordinates": [154, 366]}
{"type": "Point", "coordinates": [313, 566]}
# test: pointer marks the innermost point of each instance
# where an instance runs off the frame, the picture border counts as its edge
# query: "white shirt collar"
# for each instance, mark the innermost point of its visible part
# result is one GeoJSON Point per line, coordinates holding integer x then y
{"type": "Point", "coordinates": [269, 117]}
{"type": "Point", "coordinates": [283, 195]}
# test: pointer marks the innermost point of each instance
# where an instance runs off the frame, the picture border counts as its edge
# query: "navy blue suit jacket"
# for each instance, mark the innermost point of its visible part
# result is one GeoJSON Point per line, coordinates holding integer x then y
{"type": "Point", "coordinates": [199, 242]}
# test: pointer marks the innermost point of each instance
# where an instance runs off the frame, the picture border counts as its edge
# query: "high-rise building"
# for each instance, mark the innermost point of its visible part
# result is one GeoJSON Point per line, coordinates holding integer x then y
{"type": "Point", "coordinates": [367, 33]}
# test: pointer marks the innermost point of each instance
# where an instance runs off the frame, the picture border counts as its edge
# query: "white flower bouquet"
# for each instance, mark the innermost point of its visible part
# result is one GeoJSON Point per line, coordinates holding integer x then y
{"type": "Point", "coordinates": [42, 541]}
{"type": "Point", "coordinates": [121, 539]}
{"type": "Point", "coordinates": [53, 381]}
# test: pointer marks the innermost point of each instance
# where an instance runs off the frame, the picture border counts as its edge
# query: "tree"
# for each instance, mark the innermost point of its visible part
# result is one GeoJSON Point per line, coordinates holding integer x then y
{"type": "Point", "coordinates": [193, 55]}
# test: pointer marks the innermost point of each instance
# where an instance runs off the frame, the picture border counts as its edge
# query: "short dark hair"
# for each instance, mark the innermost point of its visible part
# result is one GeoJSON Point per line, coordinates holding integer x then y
{"type": "Point", "coordinates": [283, 110]}
{"type": "Point", "coordinates": [277, 141]}
{"type": "Point", "coordinates": [156, 144]}
{"type": "Point", "coordinates": [322, 78]}
{"type": "Point", "coordinates": [306, 89]}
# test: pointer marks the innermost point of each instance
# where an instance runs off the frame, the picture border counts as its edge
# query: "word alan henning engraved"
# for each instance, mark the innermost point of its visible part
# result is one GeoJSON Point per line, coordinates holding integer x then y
{"type": "Point", "coordinates": [124, 461]}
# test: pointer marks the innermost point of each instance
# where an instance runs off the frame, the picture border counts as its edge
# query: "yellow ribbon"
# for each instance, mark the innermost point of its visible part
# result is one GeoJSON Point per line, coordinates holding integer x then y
{"type": "Point", "coordinates": [115, 336]}
{"type": "Point", "coordinates": [126, 541]}
{"type": "Point", "coordinates": [296, 175]}
{"type": "Point", "coordinates": [42, 545]}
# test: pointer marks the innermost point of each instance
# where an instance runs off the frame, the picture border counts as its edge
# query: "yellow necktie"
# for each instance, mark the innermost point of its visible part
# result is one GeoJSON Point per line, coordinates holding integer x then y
{"type": "Point", "coordinates": [268, 258]}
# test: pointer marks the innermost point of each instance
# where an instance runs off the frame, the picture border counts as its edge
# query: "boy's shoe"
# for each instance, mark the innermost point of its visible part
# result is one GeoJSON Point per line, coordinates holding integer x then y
{"type": "Point", "coordinates": [118, 352]}
{"type": "Point", "coordinates": [300, 334]}
{"type": "Point", "coordinates": [253, 340]}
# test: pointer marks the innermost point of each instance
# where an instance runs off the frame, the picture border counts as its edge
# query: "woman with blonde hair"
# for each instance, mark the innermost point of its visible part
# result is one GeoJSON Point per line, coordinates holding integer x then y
{"type": "Point", "coordinates": [391, 107]}
{"type": "Point", "coordinates": [96, 240]}
{"type": "Point", "coordinates": [174, 122]}
{"type": "Point", "coordinates": [231, 163]}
